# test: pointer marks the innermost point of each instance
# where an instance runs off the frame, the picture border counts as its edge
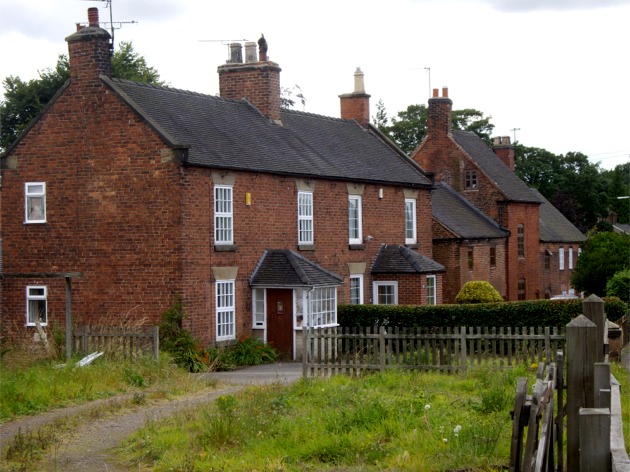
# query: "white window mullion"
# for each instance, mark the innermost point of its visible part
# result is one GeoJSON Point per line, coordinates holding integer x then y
{"type": "Point", "coordinates": [305, 218]}
{"type": "Point", "coordinates": [225, 309]}
{"type": "Point", "coordinates": [354, 220]}
{"type": "Point", "coordinates": [410, 221]}
{"type": "Point", "coordinates": [223, 214]}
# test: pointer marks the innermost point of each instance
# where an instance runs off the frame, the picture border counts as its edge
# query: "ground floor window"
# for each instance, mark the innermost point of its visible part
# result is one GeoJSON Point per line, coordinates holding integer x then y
{"type": "Point", "coordinates": [356, 289]}
{"type": "Point", "coordinates": [259, 307]}
{"type": "Point", "coordinates": [431, 290]}
{"type": "Point", "coordinates": [521, 289]}
{"type": "Point", "coordinates": [36, 310]}
{"type": "Point", "coordinates": [224, 296]}
{"type": "Point", "coordinates": [323, 309]}
{"type": "Point", "coordinates": [386, 293]}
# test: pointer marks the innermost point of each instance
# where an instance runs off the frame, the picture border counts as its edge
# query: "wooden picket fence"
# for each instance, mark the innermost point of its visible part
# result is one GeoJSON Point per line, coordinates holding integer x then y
{"type": "Point", "coordinates": [119, 341]}
{"type": "Point", "coordinates": [536, 412]}
{"type": "Point", "coordinates": [335, 350]}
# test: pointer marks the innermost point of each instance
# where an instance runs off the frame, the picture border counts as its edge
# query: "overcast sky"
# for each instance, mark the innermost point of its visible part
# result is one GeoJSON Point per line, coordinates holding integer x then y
{"type": "Point", "coordinates": [553, 72]}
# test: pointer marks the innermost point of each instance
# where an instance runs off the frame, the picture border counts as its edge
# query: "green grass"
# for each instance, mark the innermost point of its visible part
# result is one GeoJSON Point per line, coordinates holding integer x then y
{"type": "Point", "coordinates": [43, 385]}
{"type": "Point", "coordinates": [383, 421]}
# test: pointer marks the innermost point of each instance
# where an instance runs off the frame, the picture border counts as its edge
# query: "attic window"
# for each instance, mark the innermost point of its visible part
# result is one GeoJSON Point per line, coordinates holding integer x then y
{"type": "Point", "coordinates": [470, 182]}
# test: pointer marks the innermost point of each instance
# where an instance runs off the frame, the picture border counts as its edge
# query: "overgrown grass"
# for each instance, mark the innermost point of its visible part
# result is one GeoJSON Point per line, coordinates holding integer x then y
{"type": "Point", "coordinates": [384, 421]}
{"type": "Point", "coordinates": [623, 376]}
{"type": "Point", "coordinates": [44, 385]}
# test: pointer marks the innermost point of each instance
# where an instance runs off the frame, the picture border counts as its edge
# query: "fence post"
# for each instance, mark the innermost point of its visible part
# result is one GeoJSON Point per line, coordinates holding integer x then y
{"type": "Point", "coordinates": [593, 309]}
{"type": "Point", "coordinates": [581, 346]}
{"type": "Point", "coordinates": [381, 339]}
{"type": "Point", "coordinates": [463, 347]}
{"type": "Point", "coordinates": [560, 415]}
{"type": "Point", "coordinates": [595, 439]}
{"type": "Point", "coordinates": [156, 342]}
{"type": "Point", "coordinates": [601, 384]}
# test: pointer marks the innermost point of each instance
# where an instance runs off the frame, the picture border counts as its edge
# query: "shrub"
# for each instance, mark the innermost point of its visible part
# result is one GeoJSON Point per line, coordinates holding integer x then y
{"type": "Point", "coordinates": [248, 351]}
{"type": "Point", "coordinates": [177, 340]}
{"type": "Point", "coordinates": [478, 291]}
{"type": "Point", "coordinates": [619, 285]}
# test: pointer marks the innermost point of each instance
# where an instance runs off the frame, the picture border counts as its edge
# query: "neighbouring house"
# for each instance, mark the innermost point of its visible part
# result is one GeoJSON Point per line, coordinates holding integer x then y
{"type": "Point", "coordinates": [560, 244]}
{"type": "Point", "coordinates": [469, 244]}
{"type": "Point", "coordinates": [485, 178]}
{"type": "Point", "coordinates": [262, 219]}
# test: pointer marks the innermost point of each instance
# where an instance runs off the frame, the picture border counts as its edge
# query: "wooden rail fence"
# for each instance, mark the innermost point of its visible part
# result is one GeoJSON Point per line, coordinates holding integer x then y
{"type": "Point", "coordinates": [124, 341]}
{"type": "Point", "coordinates": [327, 351]}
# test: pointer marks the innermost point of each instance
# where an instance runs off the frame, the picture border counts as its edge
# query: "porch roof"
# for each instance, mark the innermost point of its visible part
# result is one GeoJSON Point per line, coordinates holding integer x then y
{"type": "Point", "coordinates": [285, 268]}
{"type": "Point", "coordinates": [395, 259]}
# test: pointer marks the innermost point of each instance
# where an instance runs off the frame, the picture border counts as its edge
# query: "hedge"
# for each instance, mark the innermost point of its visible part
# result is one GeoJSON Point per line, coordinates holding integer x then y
{"type": "Point", "coordinates": [526, 313]}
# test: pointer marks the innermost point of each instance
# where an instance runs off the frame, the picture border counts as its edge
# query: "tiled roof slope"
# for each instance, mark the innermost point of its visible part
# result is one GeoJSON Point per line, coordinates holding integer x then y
{"type": "Point", "coordinates": [507, 181]}
{"type": "Point", "coordinates": [554, 227]}
{"type": "Point", "coordinates": [394, 259]}
{"type": "Point", "coordinates": [462, 218]}
{"type": "Point", "coordinates": [285, 268]}
{"type": "Point", "coordinates": [230, 134]}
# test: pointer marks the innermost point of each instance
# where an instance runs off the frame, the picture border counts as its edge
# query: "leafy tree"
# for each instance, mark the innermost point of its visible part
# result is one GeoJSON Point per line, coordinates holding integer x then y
{"type": "Point", "coordinates": [619, 286]}
{"type": "Point", "coordinates": [618, 185]}
{"type": "Point", "coordinates": [286, 97]}
{"type": "Point", "coordinates": [603, 255]}
{"type": "Point", "coordinates": [409, 126]}
{"type": "Point", "coordinates": [24, 100]}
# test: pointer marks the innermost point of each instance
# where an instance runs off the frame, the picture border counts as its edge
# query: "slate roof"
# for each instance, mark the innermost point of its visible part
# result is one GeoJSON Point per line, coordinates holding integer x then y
{"type": "Point", "coordinates": [285, 268]}
{"type": "Point", "coordinates": [506, 180]}
{"type": "Point", "coordinates": [554, 227]}
{"type": "Point", "coordinates": [395, 259]}
{"type": "Point", "coordinates": [461, 217]}
{"type": "Point", "coordinates": [621, 228]}
{"type": "Point", "coordinates": [231, 134]}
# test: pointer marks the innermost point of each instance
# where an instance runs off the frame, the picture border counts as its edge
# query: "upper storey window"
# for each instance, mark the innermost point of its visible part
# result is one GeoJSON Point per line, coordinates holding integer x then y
{"type": "Point", "coordinates": [470, 180]}
{"type": "Point", "coordinates": [35, 202]}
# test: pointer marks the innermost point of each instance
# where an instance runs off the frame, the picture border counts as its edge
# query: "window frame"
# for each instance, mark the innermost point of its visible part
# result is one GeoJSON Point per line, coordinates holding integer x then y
{"type": "Point", "coordinates": [413, 237]}
{"type": "Point", "coordinates": [493, 257]}
{"type": "Point", "coordinates": [29, 196]}
{"type": "Point", "coordinates": [471, 181]}
{"type": "Point", "coordinates": [385, 283]}
{"type": "Point", "coordinates": [354, 279]}
{"type": "Point", "coordinates": [305, 229]}
{"type": "Point", "coordinates": [561, 258]}
{"type": "Point", "coordinates": [256, 299]}
{"type": "Point", "coordinates": [570, 251]}
{"type": "Point", "coordinates": [322, 307]}
{"type": "Point", "coordinates": [223, 235]}
{"type": "Point", "coordinates": [357, 238]}
{"type": "Point", "coordinates": [36, 298]}
{"type": "Point", "coordinates": [225, 310]}
{"type": "Point", "coordinates": [521, 289]}
{"type": "Point", "coordinates": [471, 257]}
{"type": "Point", "coordinates": [431, 298]}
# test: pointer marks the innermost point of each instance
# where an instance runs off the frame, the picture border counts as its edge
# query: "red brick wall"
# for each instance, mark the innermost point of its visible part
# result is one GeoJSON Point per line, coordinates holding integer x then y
{"type": "Point", "coordinates": [355, 107]}
{"type": "Point", "coordinates": [555, 280]}
{"type": "Point", "coordinates": [112, 213]}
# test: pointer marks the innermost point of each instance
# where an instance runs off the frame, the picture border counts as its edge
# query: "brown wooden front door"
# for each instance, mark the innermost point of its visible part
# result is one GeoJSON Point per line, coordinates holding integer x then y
{"type": "Point", "coordinates": [280, 320]}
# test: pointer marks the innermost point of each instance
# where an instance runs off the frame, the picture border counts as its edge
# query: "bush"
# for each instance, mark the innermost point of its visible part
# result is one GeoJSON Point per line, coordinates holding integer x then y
{"type": "Point", "coordinates": [619, 285]}
{"type": "Point", "coordinates": [526, 313]}
{"type": "Point", "coordinates": [178, 341]}
{"type": "Point", "coordinates": [478, 291]}
{"type": "Point", "coordinates": [248, 351]}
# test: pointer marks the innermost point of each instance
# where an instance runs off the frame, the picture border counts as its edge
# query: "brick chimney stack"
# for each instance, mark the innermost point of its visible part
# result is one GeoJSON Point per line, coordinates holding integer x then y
{"type": "Point", "coordinates": [440, 111]}
{"type": "Point", "coordinates": [356, 105]}
{"type": "Point", "coordinates": [257, 80]}
{"type": "Point", "coordinates": [89, 51]}
{"type": "Point", "coordinates": [505, 150]}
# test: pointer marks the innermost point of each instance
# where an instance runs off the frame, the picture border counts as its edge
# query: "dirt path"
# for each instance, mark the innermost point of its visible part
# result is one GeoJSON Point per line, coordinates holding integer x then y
{"type": "Point", "coordinates": [90, 446]}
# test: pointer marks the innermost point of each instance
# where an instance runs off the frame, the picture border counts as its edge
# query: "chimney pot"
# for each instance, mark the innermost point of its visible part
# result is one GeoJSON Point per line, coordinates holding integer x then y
{"type": "Point", "coordinates": [93, 16]}
{"type": "Point", "coordinates": [250, 52]}
{"type": "Point", "coordinates": [506, 140]}
{"type": "Point", "coordinates": [496, 141]}
{"type": "Point", "coordinates": [436, 93]}
{"type": "Point", "coordinates": [359, 85]}
{"type": "Point", "coordinates": [444, 92]}
{"type": "Point", "coordinates": [236, 53]}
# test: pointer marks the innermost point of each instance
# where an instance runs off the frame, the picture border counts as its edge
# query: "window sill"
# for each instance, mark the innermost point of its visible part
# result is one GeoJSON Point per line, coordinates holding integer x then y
{"type": "Point", "coordinates": [412, 245]}
{"type": "Point", "coordinates": [307, 247]}
{"type": "Point", "coordinates": [225, 248]}
{"type": "Point", "coordinates": [357, 247]}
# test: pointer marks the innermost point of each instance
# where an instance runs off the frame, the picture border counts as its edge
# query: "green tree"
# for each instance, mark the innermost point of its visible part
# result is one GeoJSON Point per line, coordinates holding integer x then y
{"type": "Point", "coordinates": [409, 126]}
{"type": "Point", "coordinates": [603, 255]}
{"type": "Point", "coordinates": [24, 100]}
{"type": "Point", "coordinates": [619, 286]}
{"type": "Point", "coordinates": [618, 185]}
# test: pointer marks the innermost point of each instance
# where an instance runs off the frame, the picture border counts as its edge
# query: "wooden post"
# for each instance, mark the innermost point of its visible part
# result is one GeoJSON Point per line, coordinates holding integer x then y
{"type": "Point", "coordinates": [381, 340]}
{"type": "Point", "coordinates": [601, 384]}
{"type": "Point", "coordinates": [593, 309]}
{"type": "Point", "coordinates": [462, 343]}
{"type": "Point", "coordinates": [156, 342]}
{"type": "Point", "coordinates": [68, 318]}
{"type": "Point", "coordinates": [560, 415]}
{"type": "Point", "coordinates": [595, 440]}
{"type": "Point", "coordinates": [581, 346]}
